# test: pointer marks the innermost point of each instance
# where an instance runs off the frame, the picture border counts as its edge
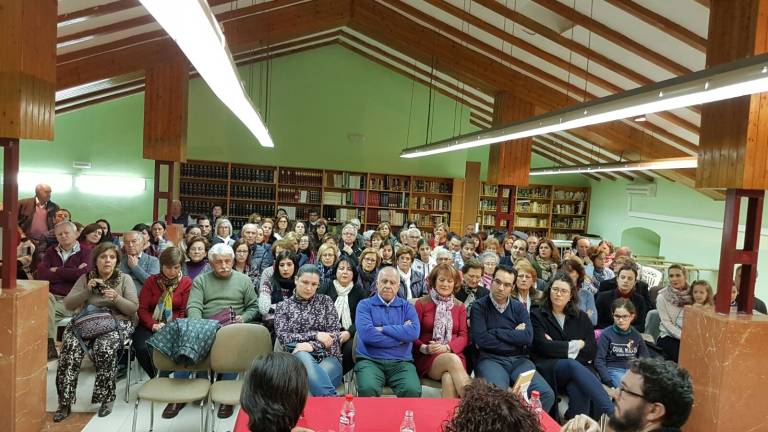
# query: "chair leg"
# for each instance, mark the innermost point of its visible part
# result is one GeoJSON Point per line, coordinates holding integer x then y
{"type": "Point", "coordinates": [128, 378]}
{"type": "Point", "coordinates": [135, 414]}
{"type": "Point", "coordinates": [213, 415]}
{"type": "Point", "coordinates": [151, 416]}
{"type": "Point", "coordinates": [202, 415]}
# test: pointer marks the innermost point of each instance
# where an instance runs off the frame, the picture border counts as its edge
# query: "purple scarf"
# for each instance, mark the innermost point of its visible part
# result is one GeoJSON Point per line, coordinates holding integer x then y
{"type": "Point", "coordinates": [441, 332]}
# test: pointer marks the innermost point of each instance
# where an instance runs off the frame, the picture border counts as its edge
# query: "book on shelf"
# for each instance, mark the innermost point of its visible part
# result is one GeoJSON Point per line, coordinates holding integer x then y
{"type": "Point", "coordinates": [387, 199]}
{"type": "Point", "coordinates": [425, 220]}
{"type": "Point", "coordinates": [430, 203]}
{"type": "Point", "coordinates": [394, 217]}
{"type": "Point", "coordinates": [348, 180]}
{"type": "Point", "coordinates": [431, 186]}
{"type": "Point", "coordinates": [531, 222]}
{"type": "Point", "coordinates": [390, 183]}
{"type": "Point", "coordinates": [575, 223]}
{"type": "Point", "coordinates": [335, 214]}
{"type": "Point", "coordinates": [356, 198]}
{"type": "Point", "coordinates": [525, 206]}
{"type": "Point", "coordinates": [542, 192]}
{"type": "Point", "coordinates": [570, 195]}
{"type": "Point", "coordinates": [571, 209]}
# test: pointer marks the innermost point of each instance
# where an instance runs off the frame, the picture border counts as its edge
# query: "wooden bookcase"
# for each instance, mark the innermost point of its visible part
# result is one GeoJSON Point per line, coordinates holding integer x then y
{"type": "Point", "coordinates": [338, 195]}
{"type": "Point", "coordinates": [557, 212]}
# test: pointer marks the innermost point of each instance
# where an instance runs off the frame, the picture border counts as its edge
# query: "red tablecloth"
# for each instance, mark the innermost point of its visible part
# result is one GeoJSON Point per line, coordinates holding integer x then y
{"type": "Point", "coordinates": [379, 414]}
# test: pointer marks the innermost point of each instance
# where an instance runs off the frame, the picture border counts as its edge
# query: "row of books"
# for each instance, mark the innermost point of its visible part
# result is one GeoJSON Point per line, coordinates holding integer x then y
{"type": "Point", "coordinates": [430, 220]}
{"type": "Point", "coordinates": [429, 203]}
{"type": "Point", "coordinates": [394, 217]}
{"type": "Point", "coordinates": [295, 195]}
{"type": "Point", "coordinates": [534, 192]}
{"type": "Point", "coordinates": [384, 199]}
{"type": "Point", "coordinates": [335, 214]}
{"type": "Point", "coordinates": [531, 207]}
{"type": "Point", "coordinates": [577, 223]}
{"type": "Point", "coordinates": [390, 183]}
{"type": "Point", "coordinates": [531, 222]}
{"type": "Point", "coordinates": [344, 198]}
{"type": "Point", "coordinates": [430, 186]}
{"type": "Point", "coordinates": [577, 208]}
{"type": "Point", "coordinates": [347, 180]}
{"type": "Point", "coordinates": [300, 177]}
{"type": "Point", "coordinates": [570, 195]}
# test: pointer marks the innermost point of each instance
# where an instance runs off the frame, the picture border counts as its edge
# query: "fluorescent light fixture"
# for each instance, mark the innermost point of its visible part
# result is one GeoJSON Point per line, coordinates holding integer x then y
{"type": "Point", "coordinates": [74, 41]}
{"type": "Point", "coordinates": [57, 181]}
{"type": "Point", "coordinates": [193, 26]}
{"type": "Point", "coordinates": [740, 78]}
{"type": "Point", "coordinates": [110, 185]}
{"type": "Point", "coordinates": [658, 164]}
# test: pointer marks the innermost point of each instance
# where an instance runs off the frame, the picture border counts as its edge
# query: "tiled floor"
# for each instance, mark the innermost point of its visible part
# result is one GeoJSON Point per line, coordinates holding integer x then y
{"type": "Point", "coordinates": [84, 416]}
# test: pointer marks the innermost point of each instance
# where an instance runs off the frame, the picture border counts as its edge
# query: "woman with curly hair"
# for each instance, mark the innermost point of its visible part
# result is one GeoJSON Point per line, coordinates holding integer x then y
{"type": "Point", "coordinates": [487, 408]}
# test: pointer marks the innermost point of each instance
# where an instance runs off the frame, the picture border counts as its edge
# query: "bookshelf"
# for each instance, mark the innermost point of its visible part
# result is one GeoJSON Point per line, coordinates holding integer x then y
{"type": "Point", "coordinates": [338, 195]}
{"type": "Point", "coordinates": [557, 212]}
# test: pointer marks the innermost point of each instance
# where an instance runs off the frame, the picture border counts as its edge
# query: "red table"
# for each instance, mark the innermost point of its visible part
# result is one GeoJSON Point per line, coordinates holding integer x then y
{"type": "Point", "coordinates": [379, 414]}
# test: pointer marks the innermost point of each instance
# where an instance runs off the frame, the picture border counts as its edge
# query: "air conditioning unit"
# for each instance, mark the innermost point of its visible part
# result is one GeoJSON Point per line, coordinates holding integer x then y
{"type": "Point", "coordinates": [642, 189]}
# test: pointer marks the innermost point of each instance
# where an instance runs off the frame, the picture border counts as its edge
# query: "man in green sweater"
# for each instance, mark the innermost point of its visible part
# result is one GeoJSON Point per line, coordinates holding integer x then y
{"type": "Point", "coordinates": [219, 289]}
{"type": "Point", "coordinates": [222, 288]}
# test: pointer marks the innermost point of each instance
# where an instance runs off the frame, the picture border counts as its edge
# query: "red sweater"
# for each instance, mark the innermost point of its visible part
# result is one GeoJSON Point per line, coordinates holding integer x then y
{"type": "Point", "coordinates": [150, 295]}
{"type": "Point", "coordinates": [426, 310]}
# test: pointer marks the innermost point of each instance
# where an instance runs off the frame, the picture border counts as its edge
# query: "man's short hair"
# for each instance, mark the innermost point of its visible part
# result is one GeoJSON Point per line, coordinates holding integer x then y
{"type": "Point", "coordinates": [471, 264]}
{"type": "Point", "coordinates": [414, 231]}
{"type": "Point", "coordinates": [220, 249]}
{"type": "Point", "coordinates": [67, 223]}
{"type": "Point", "coordinates": [666, 383]}
{"type": "Point", "coordinates": [388, 269]}
{"type": "Point", "coordinates": [505, 268]}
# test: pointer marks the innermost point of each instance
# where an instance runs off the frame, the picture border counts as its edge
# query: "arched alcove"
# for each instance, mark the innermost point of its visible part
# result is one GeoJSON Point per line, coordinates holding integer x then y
{"type": "Point", "coordinates": [642, 241]}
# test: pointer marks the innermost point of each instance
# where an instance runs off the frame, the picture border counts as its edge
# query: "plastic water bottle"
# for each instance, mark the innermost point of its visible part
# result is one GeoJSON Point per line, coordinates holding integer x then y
{"type": "Point", "coordinates": [535, 404]}
{"type": "Point", "coordinates": [347, 417]}
{"type": "Point", "coordinates": [408, 425]}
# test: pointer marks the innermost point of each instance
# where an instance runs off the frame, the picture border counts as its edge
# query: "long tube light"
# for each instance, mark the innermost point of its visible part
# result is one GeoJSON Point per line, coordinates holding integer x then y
{"type": "Point", "coordinates": [193, 26]}
{"type": "Point", "coordinates": [730, 80]}
{"type": "Point", "coordinates": [658, 164]}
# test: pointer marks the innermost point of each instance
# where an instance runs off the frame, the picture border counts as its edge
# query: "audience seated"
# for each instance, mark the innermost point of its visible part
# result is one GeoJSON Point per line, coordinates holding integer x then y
{"type": "Point", "coordinates": [349, 245]}
{"type": "Point", "coordinates": [758, 305]}
{"type": "Point", "coordinates": [242, 262]}
{"type": "Point", "coordinates": [598, 270]}
{"type": "Point", "coordinates": [564, 349]}
{"type": "Point", "coordinates": [640, 286]}
{"type": "Point", "coordinates": [277, 282]}
{"type": "Point", "coordinates": [387, 326]}
{"type": "Point", "coordinates": [654, 395]}
{"type": "Point", "coordinates": [501, 329]}
{"type": "Point", "coordinates": [626, 288]}
{"type": "Point", "coordinates": [411, 281]}
{"type": "Point", "coordinates": [619, 344]}
{"type": "Point", "coordinates": [346, 293]}
{"type": "Point", "coordinates": [489, 260]}
{"type": "Point", "coordinates": [205, 225]}
{"type": "Point", "coordinates": [367, 270]}
{"type": "Point", "coordinates": [61, 266]}
{"type": "Point", "coordinates": [197, 258]}
{"type": "Point", "coordinates": [275, 393]}
{"type": "Point", "coordinates": [136, 264]}
{"type": "Point", "coordinates": [223, 232]}
{"type": "Point", "coordinates": [670, 304]}
{"type": "Point", "coordinates": [444, 335]}
{"type": "Point", "coordinates": [546, 259]}
{"type": "Point", "coordinates": [525, 292]}
{"type": "Point", "coordinates": [487, 408]}
{"type": "Point", "coordinates": [470, 289]}
{"type": "Point", "coordinates": [90, 236]}
{"type": "Point", "coordinates": [586, 292]}
{"type": "Point", "coordinates": [191, 231]}
{"type": "Point", "coordinates": [103, 287]}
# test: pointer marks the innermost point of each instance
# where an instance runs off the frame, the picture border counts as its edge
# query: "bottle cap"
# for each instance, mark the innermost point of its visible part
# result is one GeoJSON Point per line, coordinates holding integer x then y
{"type": "Point", "coordinates": [535, 394]}
{"type": "Point", "coordinates": [349, 396]}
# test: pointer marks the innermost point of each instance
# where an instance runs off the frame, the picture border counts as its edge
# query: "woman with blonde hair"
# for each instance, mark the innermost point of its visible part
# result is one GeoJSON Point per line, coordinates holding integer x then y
{"type": "Point", "coordinates": [525, 284]}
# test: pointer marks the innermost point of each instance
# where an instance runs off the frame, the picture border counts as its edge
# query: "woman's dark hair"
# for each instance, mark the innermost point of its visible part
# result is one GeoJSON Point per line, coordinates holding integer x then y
{"type": "Point", "coordinates": [100, 249]}
{"type": "Point", "coordinates": [487, 408]}
{"type": "Point", "coordinates": [142, 227]}
{"type": "Point", "coordinates": [171, 256]}
{"type": "Point", "coordinates": [91, 228]}
{"type": "Point", "coordinates": [105, 237]}
{"type": "Point", "coordinates": [239, 243]}
{"type": "Point", "coordinates": [161, 223]}
{"type": "Point", "coordinates": [572, 308]}
{"type": "Point", "coordinates": [190, 227]}
{"type": "Point", "coordinates": [199, 239]}
{"type": "Point", "coordinates": [666, 383]}
{"type": "Point", "coordinates": [623, 303]}
{"type": "Point", "coordinates": [283, 255]}
{"type": "Point", "coordinates": [555, 257]}
{"type": "Point", "coordinates": [572, 264]}
{"type": "Point", "coordinates": [628, 267]}
{"type": "Point", "coordinates": [274, 392]}
{"type": "Point", "coordinates": [352, 264]}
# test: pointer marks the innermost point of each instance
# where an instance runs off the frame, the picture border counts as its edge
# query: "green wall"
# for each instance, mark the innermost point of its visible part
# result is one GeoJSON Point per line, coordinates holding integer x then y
{"type": "Point", "coordinates": [676, 214]}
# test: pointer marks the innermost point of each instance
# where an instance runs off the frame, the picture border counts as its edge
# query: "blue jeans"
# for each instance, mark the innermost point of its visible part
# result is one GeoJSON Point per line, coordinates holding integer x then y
{"type": "Point", "coordinates": [503, 371]}
{"type": "Point", "coordinates": [323, 376]}
{"type": "Point", "coordinates": [583, 387]}
{"type": "Point", "coordinates": [616, 375]}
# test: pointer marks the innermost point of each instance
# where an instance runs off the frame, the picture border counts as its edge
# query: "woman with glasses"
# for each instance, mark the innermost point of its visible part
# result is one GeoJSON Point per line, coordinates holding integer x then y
{"type": "Point", "coordinates": [242, 262]}
{"type": "Point", "coordinates": [368, 269]}
{"type": "Point", "coordinates": [346, 293]}
{"type": "Point", "coordinates": [411, 281]}
{"type": "Point", "coordinates": [348, 244]}
{"type": "Point", "coordinates": [326, 257]}
{"type": "Point", "coordinates": [564, 349]}
{"type": "Point", "coordinates": [305, 250]}
{"type": "Point", "coordinates": [197, 254]}
{"type": "Point", "coordinates": [525, 285]}
{"type": "Point", "coordinates": [619, 344]}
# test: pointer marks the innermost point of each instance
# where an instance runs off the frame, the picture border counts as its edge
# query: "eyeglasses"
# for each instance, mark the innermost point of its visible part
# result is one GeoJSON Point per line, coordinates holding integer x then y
{"type": "Point", "coordinates": [563, 291]}
{"type": "Point", "coordinates": [623, 389]}
{"type": "Point", "coordinates": [369, 260]}
{"type": "Point", "coordinates": [621, 317]}
{"type": "Point", "coordinates": [524, 276]}
{"type": "Point", "coordinates": [503, 284]}
{"type": "Point", "coordinates": [241, 252]}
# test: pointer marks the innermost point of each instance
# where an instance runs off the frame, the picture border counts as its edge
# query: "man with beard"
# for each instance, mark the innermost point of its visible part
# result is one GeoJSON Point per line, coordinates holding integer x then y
{"type": "Point", "coordinates": [654, 395]}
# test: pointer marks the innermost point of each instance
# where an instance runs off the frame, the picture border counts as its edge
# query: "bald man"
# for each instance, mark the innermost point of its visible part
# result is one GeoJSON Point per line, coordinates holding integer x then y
{"type": "Point", "coordinates": [37, 214]}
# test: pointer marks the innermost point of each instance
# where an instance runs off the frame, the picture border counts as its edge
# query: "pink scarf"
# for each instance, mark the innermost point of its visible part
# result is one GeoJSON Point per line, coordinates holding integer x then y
{"type": "Point", "coordinates": [441, 332]}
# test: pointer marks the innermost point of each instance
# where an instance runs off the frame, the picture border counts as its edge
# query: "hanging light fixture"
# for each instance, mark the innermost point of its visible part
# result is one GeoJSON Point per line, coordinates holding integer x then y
{"type": "Point", "coordinates": [193, 26]}
{"type": "Point", "coordinates": [657, 164]}
{"type": "Point", "coordinates": [739, 78]}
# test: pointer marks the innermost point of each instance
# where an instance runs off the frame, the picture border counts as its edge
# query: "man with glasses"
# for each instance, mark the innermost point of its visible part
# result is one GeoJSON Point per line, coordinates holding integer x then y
{"type": "Point", "coordinates": [138, 265]}
{"type": "Point", "coordinates": [348, 244]}
{"type": "Point", "coordinates": [654, 395]}
{"type": "Point", "coordinates": [501, 329]}
{"type": "Point", "coordinates": [414, 235]}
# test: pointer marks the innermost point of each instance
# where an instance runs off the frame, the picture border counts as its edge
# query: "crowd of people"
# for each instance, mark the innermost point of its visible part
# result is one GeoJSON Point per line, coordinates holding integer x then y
{"type": "Point", "coordinates": [394, 308]}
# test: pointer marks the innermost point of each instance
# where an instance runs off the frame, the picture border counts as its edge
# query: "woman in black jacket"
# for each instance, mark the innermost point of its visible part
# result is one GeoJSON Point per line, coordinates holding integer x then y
{"type": "Point", "coordinates": [346, 293]}
{"type": "Point", "coordinates": [564, 349]}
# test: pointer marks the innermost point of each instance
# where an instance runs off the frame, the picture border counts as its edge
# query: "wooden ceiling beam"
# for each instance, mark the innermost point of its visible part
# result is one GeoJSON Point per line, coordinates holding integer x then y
{"type": "Point", "coordinates": [256, 30]}
{"type": "Point", "coordinates": [614, 36]}
{"type": "Point", "coordinates": [556, 160]}
{"type": "Point", "coordinates": [589, 159]}
{"type": "Point", "coordinates": [567, 156]}
{"type": "Point", "coordinates": [399, 32]}
{"type": "Point", "coordinates": [662, 23]}
{"type": "Point", "coordinates": [97, 11]}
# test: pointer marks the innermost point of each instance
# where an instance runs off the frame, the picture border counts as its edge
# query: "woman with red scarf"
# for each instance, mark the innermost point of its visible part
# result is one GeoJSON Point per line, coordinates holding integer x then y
{"type": "Point", "coordinates": [625, 279]}
{"type": "Point", "coordinates": [444, 333]}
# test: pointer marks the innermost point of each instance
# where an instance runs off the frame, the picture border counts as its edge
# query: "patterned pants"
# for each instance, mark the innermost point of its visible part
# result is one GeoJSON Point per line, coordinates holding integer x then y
{"type": "Point", "coordinates": [105, 349]}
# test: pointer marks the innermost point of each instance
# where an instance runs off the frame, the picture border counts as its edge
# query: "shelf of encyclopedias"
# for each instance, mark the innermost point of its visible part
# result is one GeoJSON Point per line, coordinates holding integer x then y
{"type": "Point", "coordinates": [337, 195]}
{"type": "Point", "coordinates": [554, 211]}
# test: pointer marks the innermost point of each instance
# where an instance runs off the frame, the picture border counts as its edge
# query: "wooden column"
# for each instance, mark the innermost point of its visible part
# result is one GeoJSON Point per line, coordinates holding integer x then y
{"type": "Point", "coordinates": [509, 163]}
{"type": "Point", "coordinates": [27, 97]}
{"type": "Point", "coordinates": [165, 127]}
{"type": "Point", "coordinates": [722, 350]}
